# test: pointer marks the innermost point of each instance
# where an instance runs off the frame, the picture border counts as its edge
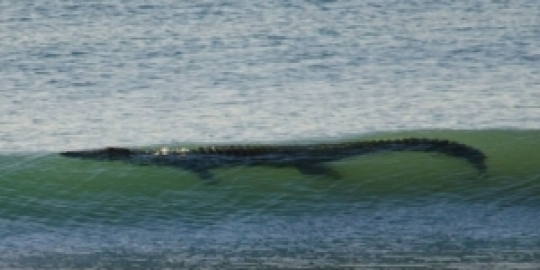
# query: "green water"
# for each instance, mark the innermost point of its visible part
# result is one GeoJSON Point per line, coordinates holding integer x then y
{"type": "Point", "coordinates": [51, 188]}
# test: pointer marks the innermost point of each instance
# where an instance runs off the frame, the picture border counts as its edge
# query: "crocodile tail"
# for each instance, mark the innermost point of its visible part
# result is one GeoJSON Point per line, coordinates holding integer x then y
{"type": "Point", "coordinates": [451, 148]}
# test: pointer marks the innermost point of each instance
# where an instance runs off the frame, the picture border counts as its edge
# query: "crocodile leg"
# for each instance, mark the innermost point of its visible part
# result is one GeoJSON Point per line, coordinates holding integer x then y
{"type": "Point", "coordinates": [205, 175]}
{"type": "Point", "coordinates": [317, 169]}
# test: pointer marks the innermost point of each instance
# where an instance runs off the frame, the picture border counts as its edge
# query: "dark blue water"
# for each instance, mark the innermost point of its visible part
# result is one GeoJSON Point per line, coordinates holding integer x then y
{"type": "Point", "coordinates": [85, 74]}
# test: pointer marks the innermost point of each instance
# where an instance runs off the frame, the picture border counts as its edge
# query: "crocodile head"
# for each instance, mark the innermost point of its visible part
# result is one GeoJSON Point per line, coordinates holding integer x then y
{"type": "Point", "coordinates": [110, 153]}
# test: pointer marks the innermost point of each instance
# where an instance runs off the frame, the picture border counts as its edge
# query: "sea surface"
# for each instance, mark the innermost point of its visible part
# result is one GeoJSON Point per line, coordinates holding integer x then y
{"type": "Point", "coordinates": [89, 74]}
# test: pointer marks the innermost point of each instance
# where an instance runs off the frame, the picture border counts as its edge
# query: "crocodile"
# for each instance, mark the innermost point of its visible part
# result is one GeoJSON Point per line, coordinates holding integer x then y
{"type": "Point", "coordinates": [308, 159]}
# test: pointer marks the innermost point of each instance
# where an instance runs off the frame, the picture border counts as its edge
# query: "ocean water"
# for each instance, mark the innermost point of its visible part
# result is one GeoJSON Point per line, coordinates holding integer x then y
{"type": "Point", "coordinates": [89, 74]}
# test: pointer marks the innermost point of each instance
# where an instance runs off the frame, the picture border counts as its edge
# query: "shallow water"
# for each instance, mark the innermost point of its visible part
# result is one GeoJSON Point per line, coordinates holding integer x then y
{"type": "Point", "coordinates": [83, 74]}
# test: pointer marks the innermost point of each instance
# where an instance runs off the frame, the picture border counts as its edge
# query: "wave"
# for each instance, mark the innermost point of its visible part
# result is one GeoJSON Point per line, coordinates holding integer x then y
{"type": "Point", "coordinates": [51, 187]}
